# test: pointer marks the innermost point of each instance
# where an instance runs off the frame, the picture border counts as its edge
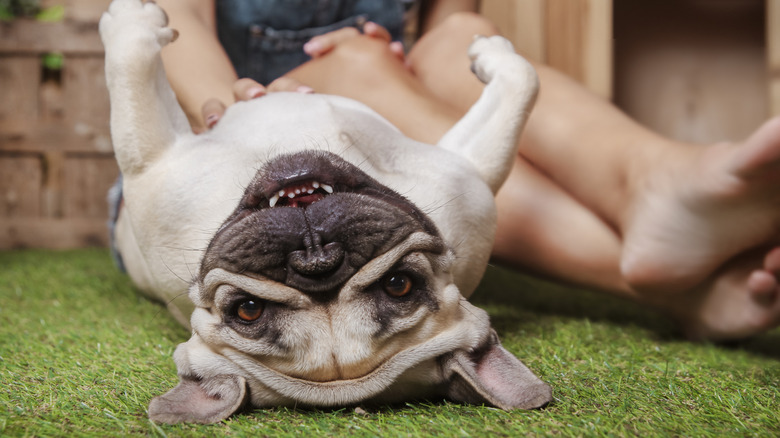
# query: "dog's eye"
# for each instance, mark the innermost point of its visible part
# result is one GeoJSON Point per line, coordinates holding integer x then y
{"type": "Point", "coordinates": [249, 310]}
{"type": "Point", "coordinates": [397, 284]}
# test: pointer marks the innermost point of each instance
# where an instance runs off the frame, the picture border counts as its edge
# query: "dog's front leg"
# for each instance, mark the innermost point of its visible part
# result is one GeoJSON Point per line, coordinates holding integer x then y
{"type": "Point", "coordinates": [488, 134]}
{"type": "Point", "coordinates": [145, 116]}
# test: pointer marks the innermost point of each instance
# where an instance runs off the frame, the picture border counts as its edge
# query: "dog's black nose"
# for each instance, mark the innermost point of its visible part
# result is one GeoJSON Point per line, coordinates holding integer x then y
{"type": "Point", "coordinates": [316, 259]}
{"type": "Point", "coordinates": [317, 267]}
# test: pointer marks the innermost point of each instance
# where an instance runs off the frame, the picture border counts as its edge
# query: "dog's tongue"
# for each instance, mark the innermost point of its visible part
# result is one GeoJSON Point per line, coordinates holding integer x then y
{"type": "Point", "coordinates": [305, 200]}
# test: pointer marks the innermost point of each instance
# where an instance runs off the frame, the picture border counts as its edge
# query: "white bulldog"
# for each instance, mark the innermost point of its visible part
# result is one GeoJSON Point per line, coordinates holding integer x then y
{"type": "Point", "coordinates": [327, 256]}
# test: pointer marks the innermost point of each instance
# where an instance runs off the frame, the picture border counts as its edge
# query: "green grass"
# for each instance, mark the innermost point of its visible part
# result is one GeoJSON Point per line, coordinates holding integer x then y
{"type": "Point", "coordinates": [81, 354]}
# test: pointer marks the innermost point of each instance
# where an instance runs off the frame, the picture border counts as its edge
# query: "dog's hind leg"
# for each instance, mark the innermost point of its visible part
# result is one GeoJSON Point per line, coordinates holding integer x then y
{"type": "Point", "coordinates": [489, 132]}
{"type": "Point", "coordinates": [145, 116]}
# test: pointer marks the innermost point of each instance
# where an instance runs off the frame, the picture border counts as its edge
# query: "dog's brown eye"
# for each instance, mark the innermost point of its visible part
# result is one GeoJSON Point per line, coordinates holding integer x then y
{"type": "Point", "coordinates": [249, 310]}
{"type": "Point", "coordinates": [397, 285]}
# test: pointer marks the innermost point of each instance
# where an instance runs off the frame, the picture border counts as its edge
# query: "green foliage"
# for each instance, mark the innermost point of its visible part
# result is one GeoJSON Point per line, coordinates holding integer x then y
{"type": "Point", "coordinates": [51, 14]}
{"type": "Point", "coordinates": [82, 353]}
{"type": "Point", "coordinates": [53, 61]}
{"type": "Point", "coordinates": [10, 9]}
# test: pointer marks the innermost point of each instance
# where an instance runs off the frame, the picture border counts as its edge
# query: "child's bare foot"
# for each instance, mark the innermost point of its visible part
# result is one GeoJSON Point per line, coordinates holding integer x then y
{"type": "Point", "coordinates": [705, 206]}
{"type": "Point", "coordinates": [741, 299]}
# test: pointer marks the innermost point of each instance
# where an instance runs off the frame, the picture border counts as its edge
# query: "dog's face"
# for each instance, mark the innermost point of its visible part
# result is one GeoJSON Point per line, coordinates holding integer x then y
{"type": "Point", "coordinates": [324, 274]}
{"type": "Point", "coordinates": [324, 287]}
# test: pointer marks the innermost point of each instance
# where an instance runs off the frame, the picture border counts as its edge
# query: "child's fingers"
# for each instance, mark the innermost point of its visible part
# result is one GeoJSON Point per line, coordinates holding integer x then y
{"type": "Point", "coordinates": [289, 84]}
{"type": "Point", "coordinates": [246, 89]}
{"type": "Point", "coordinates": [212, 110]}
{"type": "Point", "coordinates": [322, 44]}
{"type": "Point", "coordinates": [376, 31]}
{"type": "Point", "coordinates": [397, 49]}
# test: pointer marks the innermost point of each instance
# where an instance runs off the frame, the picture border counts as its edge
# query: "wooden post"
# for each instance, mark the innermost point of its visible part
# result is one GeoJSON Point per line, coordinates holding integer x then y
{"type": "Point", "coordinates": [773, 54]}
{"type": "Point", "coordinates": [573, 36]}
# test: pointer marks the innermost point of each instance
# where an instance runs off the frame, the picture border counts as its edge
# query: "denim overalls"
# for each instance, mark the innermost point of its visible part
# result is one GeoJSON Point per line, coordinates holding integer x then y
{"type": "Point", "coordinates": [264, 38]}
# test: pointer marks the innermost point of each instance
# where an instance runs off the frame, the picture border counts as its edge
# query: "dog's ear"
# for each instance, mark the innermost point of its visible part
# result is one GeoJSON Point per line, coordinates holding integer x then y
{"type": "Point", "coordinates": [200, 400]}
{"type": "Point", "coordinates": [494, 376]}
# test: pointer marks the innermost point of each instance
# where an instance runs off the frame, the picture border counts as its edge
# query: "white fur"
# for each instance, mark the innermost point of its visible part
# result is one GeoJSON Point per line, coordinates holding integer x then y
{"type": "Point", "coordinates": [180, 187]}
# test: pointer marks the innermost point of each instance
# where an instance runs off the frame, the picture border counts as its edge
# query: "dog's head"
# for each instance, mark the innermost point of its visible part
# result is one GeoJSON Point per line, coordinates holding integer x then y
{"type": "Point", "coordinates": [325, 288]}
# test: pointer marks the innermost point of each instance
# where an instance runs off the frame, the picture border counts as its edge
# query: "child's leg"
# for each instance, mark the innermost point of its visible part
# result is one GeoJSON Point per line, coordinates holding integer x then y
{"type": "Point", "coordinates": [682, 211]}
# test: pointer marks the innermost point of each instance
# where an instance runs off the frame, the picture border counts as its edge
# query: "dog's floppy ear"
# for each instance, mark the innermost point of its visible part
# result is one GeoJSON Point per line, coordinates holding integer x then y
{"type": "Point", "coordinates": [200, 401]}
{"type": "Point", "coordinates": [494, 376]}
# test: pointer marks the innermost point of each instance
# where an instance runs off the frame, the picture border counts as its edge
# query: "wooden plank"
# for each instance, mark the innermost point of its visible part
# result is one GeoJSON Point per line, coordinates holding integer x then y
{"type": "Point", "coordinates": [773, 54]}
{"type": "Point", "coordinates": [30, 135]}
{"type": "Point", "coordinates": [16, 233]}
{"type": "Point", "coordinates": [85, 94]}
{"type": "Point", "coordinates": [19, 80]}
{"type": "Point", "coordinates": [21, 179]}
{"type": "Point", "coordinates": [564, 33]}
{"type": "Point", "coordinates": [598, 48]}
{"type": "Point", "coordinates": [522, 22]}
{"type": "Point", "coordinates": [579, 41]}
{"type": "Point", "coordinates": [51, 191]}
{"type": "Point", "coordinates": [68, 37]}
{"type": "Point", "coordinates": [86, 182]}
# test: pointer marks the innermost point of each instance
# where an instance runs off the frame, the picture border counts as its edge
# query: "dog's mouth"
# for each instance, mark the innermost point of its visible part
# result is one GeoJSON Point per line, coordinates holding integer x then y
{"type": "Point", "coordinates": [300, 194]}
{"type": "Point", "coordinates": [299, 180]}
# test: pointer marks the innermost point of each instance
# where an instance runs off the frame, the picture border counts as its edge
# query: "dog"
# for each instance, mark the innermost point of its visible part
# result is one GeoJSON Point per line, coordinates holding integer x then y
{"type": "Point", "coordinates": [326, 257]}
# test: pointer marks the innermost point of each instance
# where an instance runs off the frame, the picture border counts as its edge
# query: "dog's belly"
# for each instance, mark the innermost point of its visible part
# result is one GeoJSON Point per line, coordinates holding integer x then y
{"type": "Point", "coordinates": [176, 205]}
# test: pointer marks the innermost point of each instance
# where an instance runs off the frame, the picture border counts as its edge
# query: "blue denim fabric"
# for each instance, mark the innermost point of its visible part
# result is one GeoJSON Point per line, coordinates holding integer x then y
{"type": "Point", "coordinates": [264, 38]}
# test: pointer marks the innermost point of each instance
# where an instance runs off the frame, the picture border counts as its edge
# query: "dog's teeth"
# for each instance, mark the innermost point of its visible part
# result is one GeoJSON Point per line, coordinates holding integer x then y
{"type": "Point", "coordinates": [315, 184]}
{"type": "Point", "coordinates": [281, 192]}
{"type": "Point", "coordinates": [327, 188]}
{"type": "Point", "coordinates": [297, 191]}
{"type": "Point", "coordinates": [274, 199]}
{"type": "Point", "coordinates": [291, 195]}
{"type": "Point", "coordinates": [310, 191]}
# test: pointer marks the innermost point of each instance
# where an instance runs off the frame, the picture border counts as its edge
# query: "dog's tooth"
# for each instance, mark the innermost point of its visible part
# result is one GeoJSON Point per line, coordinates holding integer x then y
{"type": "Point", "coordinates": [291, 195]}
{"type": "Point", "coordinates": [327, 188]}
{"type": "Point", "coordinates": [281, 192]}
{"type": "Point", "coordinates": [315, 184]}
{"type": "Point", "coordinates": [297, 191]}
{"type": "Point", "coordinates": [274, 199]}
{"type": "Point", "coordinates": [310, 191]}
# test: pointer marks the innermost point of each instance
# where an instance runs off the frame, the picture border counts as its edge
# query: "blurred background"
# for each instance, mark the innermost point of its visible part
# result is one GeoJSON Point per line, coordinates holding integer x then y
{"type": "Point", "coordinates": [695, 70]}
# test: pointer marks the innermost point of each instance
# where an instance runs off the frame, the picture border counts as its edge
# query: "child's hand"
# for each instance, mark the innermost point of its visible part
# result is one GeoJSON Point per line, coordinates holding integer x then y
{"type": "Point", "coordinates": [322, 44]}
{"type": "Point", "coordinates": [247, 89]}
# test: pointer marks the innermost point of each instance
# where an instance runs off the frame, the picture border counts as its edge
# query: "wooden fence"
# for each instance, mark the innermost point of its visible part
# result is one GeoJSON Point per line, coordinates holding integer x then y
{"type": "Point", "coordinates": [56, 160]}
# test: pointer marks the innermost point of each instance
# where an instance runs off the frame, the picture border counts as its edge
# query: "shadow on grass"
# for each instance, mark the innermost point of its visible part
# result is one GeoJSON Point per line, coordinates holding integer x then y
{"type": "Point", "coordinates": [503, 288]}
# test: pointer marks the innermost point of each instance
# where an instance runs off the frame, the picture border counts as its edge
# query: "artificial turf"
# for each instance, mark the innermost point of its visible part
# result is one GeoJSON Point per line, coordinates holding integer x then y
{"type": "Point", "coordinates": [81, 354]}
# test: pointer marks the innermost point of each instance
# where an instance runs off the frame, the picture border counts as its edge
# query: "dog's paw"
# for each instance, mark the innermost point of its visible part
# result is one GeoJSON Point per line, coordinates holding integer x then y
{"type": "Point", "coordinates": [490, 55]}
{"type": "Point", "coordinates": [135, 22]}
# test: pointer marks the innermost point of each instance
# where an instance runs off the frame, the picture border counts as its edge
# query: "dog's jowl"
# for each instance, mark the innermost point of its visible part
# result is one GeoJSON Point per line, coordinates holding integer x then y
{"type": "Point", "coordinates": [325, 258]}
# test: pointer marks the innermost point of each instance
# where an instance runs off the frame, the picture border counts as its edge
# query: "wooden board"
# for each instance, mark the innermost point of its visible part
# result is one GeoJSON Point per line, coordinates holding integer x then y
{"type": "Point", "coordinates": [18, 233]}
{"type": "Point", "coordinates": [522, 22]}
{"type": "Point", "coordinates": [573, 36]}
{"type": "Point", "coordinates": [21, 180]}
{"type": "Point", "coordinates": [86, 179]}
{"type": "Point", "coordinates": [773, 54]}
{"type": "Point", "coordinates": [692, 70]}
